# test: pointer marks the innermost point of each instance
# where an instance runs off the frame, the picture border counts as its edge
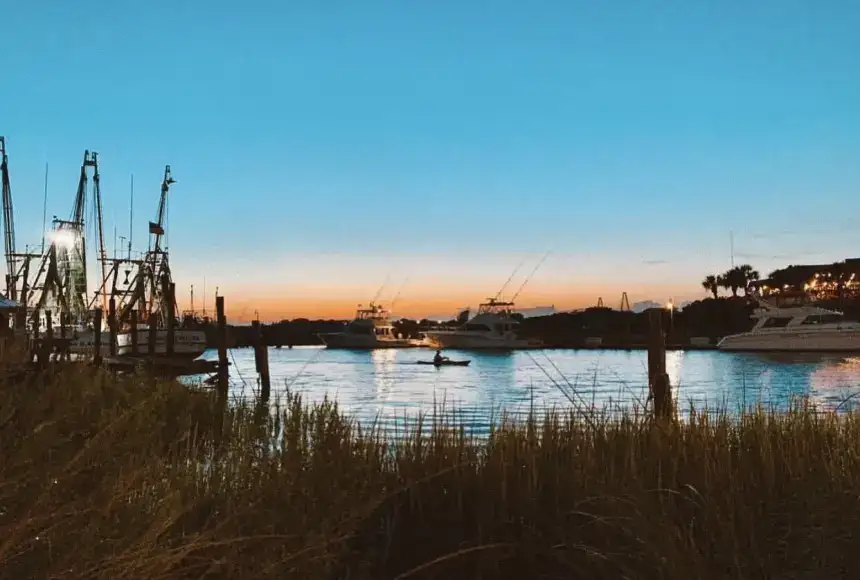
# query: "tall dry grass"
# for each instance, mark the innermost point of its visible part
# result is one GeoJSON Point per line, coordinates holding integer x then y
{"type": "Point", "coordinates": [104, 477]}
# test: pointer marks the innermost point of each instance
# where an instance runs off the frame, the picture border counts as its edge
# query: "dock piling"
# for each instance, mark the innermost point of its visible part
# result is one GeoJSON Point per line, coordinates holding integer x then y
{"type": "Point", "coordinates": [64, 348]}
{"type": "Point", "coordinates": [658, 381]}
{"type": "Point", "coordinates": [261, 358]}
{"type": "Point", "coordinates": [133, 325]}
{"type": "Point", "coordinates": [112, 326]}
{"type": "Point", "coordinates": [171, 315]}
{"type": "Point", "coordinates": [153, 327]}
{"type": "Point", "coordinates": [97, 337]}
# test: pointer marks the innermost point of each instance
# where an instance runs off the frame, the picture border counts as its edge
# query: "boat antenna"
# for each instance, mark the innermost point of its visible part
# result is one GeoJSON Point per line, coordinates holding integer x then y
{"type": "Point", "coordinates": [732, 247]}
{"type": "Point", "coordinates": [204, 296]}
{"type": "Point", "coordinates": [45, 209]}
{"type": "Point", "coordinates": [511, 277]}
{"type": "Point", "coordinates": [526, 281]}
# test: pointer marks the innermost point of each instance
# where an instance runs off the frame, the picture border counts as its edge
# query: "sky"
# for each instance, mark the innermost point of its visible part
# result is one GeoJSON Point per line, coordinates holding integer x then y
{"type": "Point", "coordinates": [322, 151]}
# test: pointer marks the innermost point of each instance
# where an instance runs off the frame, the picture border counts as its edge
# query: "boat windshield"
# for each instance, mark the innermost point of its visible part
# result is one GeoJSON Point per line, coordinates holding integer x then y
{"type": "Point", "coordinates": [823, 319]}
{"type": "Point", "coordinates": [372, 312]}
{"type": "Point", "coordinates": [492, 306]}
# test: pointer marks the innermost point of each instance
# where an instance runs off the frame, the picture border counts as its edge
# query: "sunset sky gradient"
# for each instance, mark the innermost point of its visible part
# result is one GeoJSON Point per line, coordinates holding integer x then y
{"type": "Point", "coordinates": [319, 151]}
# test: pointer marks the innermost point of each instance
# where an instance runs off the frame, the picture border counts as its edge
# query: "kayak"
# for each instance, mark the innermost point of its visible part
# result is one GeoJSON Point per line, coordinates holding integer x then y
{"type": "Point", "coordinates": [445, 363]}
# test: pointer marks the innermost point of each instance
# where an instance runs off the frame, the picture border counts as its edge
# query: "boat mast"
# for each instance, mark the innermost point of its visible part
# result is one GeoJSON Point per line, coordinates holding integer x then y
{"type": "Point", "coordinates": [158, 262]}
{"type": "Point", "coordinates": [8, 225]}
{"type": "Point", "coordinates": [97, 195]}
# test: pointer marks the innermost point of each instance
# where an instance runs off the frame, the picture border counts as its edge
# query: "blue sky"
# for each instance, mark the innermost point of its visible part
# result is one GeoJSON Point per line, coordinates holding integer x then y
{"type": "Point", "coordinates": [318, 150]}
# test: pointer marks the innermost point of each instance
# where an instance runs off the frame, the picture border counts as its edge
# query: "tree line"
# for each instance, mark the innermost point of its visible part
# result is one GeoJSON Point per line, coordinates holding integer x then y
{"type": "Point", "coordinates": [734, 279]}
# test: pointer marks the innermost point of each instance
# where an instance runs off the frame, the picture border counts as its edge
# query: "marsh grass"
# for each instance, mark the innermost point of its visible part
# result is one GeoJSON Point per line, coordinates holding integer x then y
{"type": "Point", "coordinates": [104, 477]}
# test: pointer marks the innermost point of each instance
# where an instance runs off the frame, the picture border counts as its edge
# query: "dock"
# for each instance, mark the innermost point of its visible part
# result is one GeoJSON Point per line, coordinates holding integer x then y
{"type": "Point", "coordinates": [161, 366]}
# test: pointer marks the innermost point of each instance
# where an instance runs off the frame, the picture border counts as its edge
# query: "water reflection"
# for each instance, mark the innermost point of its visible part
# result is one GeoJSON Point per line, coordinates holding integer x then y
{"type": "Point", "coordinates": [390, 384]}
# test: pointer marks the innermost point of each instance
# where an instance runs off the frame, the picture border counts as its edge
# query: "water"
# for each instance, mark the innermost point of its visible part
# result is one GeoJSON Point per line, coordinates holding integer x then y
{"type": "Point", "coordinates": [387, 385]}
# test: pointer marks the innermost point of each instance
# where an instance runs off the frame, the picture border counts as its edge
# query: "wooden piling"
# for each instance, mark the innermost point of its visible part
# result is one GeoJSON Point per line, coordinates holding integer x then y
{"type": "Point", "coordinates": [171, 315]}
{"type": "Point", "coordinates": [97, 337]}
{"type": "Point", "coordinates": [35, 344]}
{"type": "Point", "coordinates": [48, 347]}
{"type": "Point", "coordinates": [223, 377]}
{"type": "Point", "coordinates": [151, 334]}
{"type": "Point", "coordinates": [112, 326]}
{"type": "Point", "coordinates": [64, 349]}
{"type": "Point", "coordinates": [261, 358]}
{"type": "Point", "coordinates": [658, 381]}
{"type": "Point", "coordinates": [133, 325]}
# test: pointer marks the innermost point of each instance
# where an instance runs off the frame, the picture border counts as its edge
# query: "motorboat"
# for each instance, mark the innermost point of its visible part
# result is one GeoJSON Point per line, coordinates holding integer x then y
{"type": "Point", "coordinates": [493, 327]}
{"type": "Point", "coordinates": [802, 328]}
{"type": "Point", "coordinates": [371, 328]}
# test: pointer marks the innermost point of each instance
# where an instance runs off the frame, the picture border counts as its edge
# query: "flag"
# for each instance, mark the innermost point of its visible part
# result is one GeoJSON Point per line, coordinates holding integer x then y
{"type": "Point", "coordinates": [156, 229]}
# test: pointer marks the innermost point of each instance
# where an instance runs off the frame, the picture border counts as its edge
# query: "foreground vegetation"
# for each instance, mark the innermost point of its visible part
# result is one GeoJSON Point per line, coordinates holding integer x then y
{"type": "Point", "coordinates": [121, 478]}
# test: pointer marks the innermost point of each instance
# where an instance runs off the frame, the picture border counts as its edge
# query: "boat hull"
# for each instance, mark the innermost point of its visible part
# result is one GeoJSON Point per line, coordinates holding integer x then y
{"type": "Point", "coordinates": [469, 341]}
{"type": "Point", "coordinates": [186, 343]}
{"type": "Point", "coordinates": [820, 341]}
{"type": "Point", "coordinates": [346, 340]}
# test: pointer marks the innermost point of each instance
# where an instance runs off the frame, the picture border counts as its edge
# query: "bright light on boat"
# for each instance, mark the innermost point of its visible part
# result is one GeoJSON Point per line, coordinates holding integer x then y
{"type": "Point", "coordinates": [63, 238]}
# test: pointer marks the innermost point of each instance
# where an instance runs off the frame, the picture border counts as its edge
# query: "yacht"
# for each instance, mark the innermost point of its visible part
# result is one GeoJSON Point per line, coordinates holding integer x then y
{"type": "Point", "coordinates": [371, 328]}
{"type": "Point", "coordinates": [802, 328]}
{"type": "Point", "coordinates": [493, 327]}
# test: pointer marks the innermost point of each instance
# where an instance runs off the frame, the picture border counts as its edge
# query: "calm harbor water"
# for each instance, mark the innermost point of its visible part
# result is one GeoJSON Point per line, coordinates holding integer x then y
{"type": "Point", "coordinates": [387, 385]}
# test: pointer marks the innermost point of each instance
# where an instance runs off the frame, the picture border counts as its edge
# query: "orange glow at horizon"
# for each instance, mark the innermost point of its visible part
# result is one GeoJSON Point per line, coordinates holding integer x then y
{"type": "Point", "coordinates": [245, 304]}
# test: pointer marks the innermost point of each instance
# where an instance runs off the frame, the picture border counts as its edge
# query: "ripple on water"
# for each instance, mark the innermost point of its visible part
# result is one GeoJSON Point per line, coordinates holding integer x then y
{"type": "Point", "coordinates": [387, 384]}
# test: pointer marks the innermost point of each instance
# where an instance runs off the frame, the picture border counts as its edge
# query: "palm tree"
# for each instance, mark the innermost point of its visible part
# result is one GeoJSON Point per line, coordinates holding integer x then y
{"type": "Point", "coordinates": [723, 281]}
{"type": "Point", "coordinates": [749, 275]}
{"type": "Point", "coordinates": [711, 284]}
{"type": "Point", "coordinates": [734, 279]}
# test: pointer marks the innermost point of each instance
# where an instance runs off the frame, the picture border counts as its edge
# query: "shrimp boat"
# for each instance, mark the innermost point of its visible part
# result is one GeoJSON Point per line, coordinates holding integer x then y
{"type": "Point", "coordinates": [150, 299]}
{"type": "Point", "coordinates": [371, 328]}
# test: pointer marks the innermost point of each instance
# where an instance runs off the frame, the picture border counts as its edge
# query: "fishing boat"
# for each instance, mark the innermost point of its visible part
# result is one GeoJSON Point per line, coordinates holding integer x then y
{"type": "Point", "coordinates": [370, 329]}
{"type": "Point", "coordinates": [796, 328]}
{"type": "Point", "coordinates": [493, 327]}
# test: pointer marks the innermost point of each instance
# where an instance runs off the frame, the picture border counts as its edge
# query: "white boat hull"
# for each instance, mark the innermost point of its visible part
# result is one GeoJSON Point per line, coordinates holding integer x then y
{"type": "Point", "coordinates": [360, 341]}
{"type": "Point", "coordinates": [473, 341]}
{"type": "Point", "coordinates": [823, 340]}
{"type": "Point", "coordinates": [186, 343]}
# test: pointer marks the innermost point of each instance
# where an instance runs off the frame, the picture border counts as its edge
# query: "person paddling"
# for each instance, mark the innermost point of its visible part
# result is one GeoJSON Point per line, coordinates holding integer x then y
{"type": "Point", "coordinates": [439, 359]}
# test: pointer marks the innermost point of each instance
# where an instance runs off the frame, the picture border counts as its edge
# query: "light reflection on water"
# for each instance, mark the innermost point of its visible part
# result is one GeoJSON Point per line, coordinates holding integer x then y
{"type": "Point", "coordinates": [387, 384]}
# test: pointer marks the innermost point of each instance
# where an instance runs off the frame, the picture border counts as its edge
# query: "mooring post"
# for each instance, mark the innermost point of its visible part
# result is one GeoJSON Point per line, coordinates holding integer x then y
{"type": "Point", "coordinates": [64, 349]}
{"type": "Point", "coordinates": [49, 333]}
{"type": "Point", "coordinates": [658, 381]}
{"type": "Point", "coordinates": [153, 328]}
{"type": "Point", "coordinates": [112, 326]}
{"type": "Point", "coordinates": [36, 343]}
{"type": "Point", "coordinates": [261, 358]}
{"type": "Point", "coordinates": [97, 337]}
{"type": "Point", "coordinates": [223, 377]}
{"type": "Point", "coordinates": [171, 316]}
{"type": "Point", "coordinates": [133, 325]}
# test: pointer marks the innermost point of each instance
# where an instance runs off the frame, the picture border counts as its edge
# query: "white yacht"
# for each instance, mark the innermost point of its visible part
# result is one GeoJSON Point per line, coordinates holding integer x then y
{"type": "Point", "coordinates": [797, 329]}
{"type": "Point", "coordinates": [187, 343]}
{"type": "Point", "coordinates": [493, 327]}
{"type": "Point", "coordinates": [371, 328]}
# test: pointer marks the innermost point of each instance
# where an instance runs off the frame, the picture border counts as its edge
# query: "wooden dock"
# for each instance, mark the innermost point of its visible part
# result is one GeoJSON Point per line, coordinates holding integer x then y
{"type": "Point", "coordinates": [161, 366]}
